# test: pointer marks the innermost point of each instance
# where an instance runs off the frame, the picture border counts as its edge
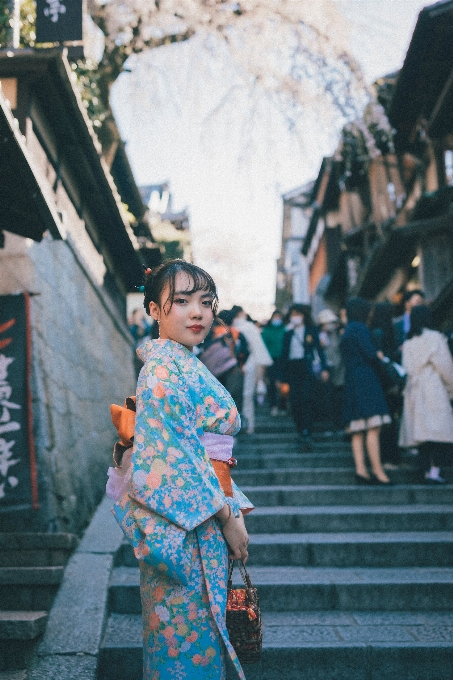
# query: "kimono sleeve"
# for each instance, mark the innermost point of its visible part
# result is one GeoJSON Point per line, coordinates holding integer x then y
{"type": "Point", "coordinates": [171, 473]}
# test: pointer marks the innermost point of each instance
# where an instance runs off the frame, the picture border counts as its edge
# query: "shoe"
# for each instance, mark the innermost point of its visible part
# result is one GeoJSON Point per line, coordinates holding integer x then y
{"type": "Point", "coordinates": [379, 482]}
{"type": "Point", "coordinates": [434, 480]}
{"type": "Point", "coordinates": [360, 479]}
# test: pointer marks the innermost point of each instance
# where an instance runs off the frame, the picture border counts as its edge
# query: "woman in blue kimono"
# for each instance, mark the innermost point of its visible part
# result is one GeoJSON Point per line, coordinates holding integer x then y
{"type": "Point", "coordinates": [180, 519]}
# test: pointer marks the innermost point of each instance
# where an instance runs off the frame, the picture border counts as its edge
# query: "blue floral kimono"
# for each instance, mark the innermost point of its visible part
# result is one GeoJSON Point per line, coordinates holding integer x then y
{"type": "Point", "coordinates": [168, 515]}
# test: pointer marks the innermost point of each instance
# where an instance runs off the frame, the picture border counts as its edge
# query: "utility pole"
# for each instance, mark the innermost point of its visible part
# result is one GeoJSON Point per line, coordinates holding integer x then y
{"type": "Point", "coordinates": [14, 24]}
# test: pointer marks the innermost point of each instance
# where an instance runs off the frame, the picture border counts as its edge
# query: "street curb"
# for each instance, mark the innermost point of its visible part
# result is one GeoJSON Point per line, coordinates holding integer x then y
{"type": "Point", "coordinates": [70, 647]}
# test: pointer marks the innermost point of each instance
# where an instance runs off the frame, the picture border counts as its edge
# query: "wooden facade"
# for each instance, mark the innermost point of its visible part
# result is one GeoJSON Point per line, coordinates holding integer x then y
{"type": "Point", "coordinates": [394, 215]}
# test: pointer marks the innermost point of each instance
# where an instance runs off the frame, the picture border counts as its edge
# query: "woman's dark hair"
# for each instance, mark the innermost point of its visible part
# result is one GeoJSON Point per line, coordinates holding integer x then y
{"type": "Point", "coordinates": [358, 309]}
{"type": "Point", "coordinates": [302, 309]}
{"type": "Point", "coordinates": [226, 316]}
{"type": "Point", "coordinates": [421, 317]}
{"type": "Point", "coordinates": [156, 281]}
{"type": "Point", "coordinates": [234, 311]}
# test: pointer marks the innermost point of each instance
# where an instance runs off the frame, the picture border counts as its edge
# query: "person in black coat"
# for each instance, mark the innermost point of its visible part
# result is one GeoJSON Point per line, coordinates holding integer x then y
{"type": "Point", "coordinates": [382, 335]}
{"type": "Point", "coordinates": [365, 408]}
{"type": "Point", "coordinates": [302, 356]}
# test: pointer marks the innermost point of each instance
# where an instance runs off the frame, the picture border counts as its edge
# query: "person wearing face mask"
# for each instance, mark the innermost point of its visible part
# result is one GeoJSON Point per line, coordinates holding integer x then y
{"type": "Point", "coordinates": [329, 337]}
{"type": "Point", "coordinates": [255, 365]}
{"type": "Point", "coordinates": [273, 334]}
{"type": "Point", "coordinates": [303, 358]}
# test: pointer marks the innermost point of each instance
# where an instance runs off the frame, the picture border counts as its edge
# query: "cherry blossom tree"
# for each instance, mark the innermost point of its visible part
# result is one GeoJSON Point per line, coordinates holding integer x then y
{"type": "Point", "coordinates": [296, 51]}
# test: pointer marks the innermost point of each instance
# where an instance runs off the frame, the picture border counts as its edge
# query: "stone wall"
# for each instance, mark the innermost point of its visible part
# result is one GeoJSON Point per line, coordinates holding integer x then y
{"type": "Point", "coordinates": [82, 362]}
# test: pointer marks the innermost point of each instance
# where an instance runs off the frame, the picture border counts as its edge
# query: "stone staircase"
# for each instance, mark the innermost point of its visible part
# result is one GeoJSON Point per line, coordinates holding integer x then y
{"type": "Point", "coordinates": [31, 570]}
{"type": "Point", "coordinates": [355, 583]}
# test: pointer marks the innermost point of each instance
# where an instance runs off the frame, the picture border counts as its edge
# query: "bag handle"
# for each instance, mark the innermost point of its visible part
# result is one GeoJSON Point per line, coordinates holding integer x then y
{"type": "Point", "coordinates": [245, 577]}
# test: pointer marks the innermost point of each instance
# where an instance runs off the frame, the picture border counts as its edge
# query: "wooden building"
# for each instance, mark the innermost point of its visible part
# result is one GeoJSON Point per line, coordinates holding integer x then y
{"type": "Point", "coordinates": [393, 211]}
{"type": "Point", "coordinates": [67, 240]}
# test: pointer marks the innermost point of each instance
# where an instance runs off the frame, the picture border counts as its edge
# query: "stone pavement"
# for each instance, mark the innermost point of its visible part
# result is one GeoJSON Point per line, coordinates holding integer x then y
{"type": "Point", "coordinates": [356, 583]}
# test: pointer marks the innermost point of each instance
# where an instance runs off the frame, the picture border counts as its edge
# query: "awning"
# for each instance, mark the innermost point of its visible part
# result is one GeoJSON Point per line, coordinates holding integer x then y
{"type": "Point", "coordinates": [26, 208]}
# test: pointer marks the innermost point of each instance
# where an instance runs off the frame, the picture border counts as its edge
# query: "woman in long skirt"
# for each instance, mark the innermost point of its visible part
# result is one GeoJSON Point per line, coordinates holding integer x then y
{"type": "Point", "coordinates": [182, 512]}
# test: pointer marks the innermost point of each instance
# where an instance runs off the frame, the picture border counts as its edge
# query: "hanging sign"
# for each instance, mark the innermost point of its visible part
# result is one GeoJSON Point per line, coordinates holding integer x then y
{"type": "Point", "coordinates": [58, 20]}
{"type": "Point", "coordinates": [18, 477]}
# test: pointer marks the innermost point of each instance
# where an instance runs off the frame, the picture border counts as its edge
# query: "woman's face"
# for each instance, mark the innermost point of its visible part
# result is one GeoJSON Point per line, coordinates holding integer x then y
{"type": "Point", "coordinates": [190, 317]}
{"type": "Point", "coordinates": [296, 318]}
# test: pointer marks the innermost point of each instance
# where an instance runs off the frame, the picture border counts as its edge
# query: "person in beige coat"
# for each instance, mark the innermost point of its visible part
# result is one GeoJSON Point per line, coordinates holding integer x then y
{"type": "Point", "coordinates": [427, 421]}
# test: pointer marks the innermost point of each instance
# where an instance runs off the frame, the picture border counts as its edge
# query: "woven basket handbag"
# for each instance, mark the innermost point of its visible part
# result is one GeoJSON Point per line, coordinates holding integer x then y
{"type": "Point", "coordinates": [243, 617]}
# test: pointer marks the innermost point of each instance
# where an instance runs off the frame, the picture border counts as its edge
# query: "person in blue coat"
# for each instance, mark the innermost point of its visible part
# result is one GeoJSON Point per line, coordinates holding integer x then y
{"type": "Point", "coordinates": [365, 408]}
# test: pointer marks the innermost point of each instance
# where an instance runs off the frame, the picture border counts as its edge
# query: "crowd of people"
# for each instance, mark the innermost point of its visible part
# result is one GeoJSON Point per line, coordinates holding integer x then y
{"type": "Point", "coordinates": [385, 382]}
{"type": "Point", "coordinates": [334, 371]}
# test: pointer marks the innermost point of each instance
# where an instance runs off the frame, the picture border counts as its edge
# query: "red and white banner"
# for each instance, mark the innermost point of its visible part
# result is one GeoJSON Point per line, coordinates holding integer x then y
{"type": "Point", "coordinates": [18, 474]}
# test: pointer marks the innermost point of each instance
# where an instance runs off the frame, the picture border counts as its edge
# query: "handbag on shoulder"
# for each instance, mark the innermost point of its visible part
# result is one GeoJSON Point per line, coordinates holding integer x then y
{"type": "Point", "coordinates": [243, 617]}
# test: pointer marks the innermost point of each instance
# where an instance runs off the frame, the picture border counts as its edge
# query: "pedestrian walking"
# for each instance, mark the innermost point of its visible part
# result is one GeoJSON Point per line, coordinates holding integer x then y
{"type": "Point", "coordinates": [302, 356]}
{"type": "Point", "coordinates": [221, 353]}
{"type": "Point", "coordinates": [383, 336]}
{"type": "Point", "coordinates": [273, 334]}
{"type": "Point", "coordinates": [333, 390]}
{"type": "Point", "coordinates": [258, 359]}
{"type": "Point", "coordinates": [427, 421]}
{"type": "Point", "coordinates": [179, 517]}
{"type": "Point", "coordinates": [365, 408]}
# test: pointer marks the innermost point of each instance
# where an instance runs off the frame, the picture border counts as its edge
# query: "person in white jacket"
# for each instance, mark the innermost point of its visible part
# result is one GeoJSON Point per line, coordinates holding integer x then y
{"type": "Point", "coordinates": [258, 358]}
{"type": "Point", "coordinates": [427, 421]}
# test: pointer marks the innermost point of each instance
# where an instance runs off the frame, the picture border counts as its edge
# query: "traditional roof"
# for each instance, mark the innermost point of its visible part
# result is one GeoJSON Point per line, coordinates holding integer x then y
{"type": "Point", "coordinates": [67, 135]}
{"type": "Point", "coordinates": [27, 206]}
{"type": "Point", "coordinates": [427, 67]}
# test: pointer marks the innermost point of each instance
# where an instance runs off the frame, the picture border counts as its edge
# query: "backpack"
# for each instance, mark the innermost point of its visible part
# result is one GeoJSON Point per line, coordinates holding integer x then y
{"type": "Point", "coordinates": [219, 356]}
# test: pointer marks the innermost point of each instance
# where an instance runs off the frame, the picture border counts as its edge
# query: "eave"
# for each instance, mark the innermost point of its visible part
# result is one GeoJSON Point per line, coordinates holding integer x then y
{"type": "Point", "coordinates": [27, 207]}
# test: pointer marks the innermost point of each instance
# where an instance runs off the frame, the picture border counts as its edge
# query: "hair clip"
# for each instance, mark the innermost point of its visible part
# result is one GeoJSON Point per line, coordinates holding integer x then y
{"type": "Point", "coordinates": [141, 289]}
{"type": "Point", "coordinates": [147, 270]}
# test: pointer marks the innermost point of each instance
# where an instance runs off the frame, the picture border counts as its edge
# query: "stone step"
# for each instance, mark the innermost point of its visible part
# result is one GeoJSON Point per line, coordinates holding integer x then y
{"type": "Point", "coordinates": [321, 588]}
{"type": "Point", "coordinates": [21, 625]}
{"type": "Point", "coordinates": [270, 447]}
{"type": "Point", "coordinates": [262, 496]}
{"type": "Point", "coordinates": [29, 588]}
{"type": "Point", "coordinates": [398, 549]}
{"type": "Point", "coordinates": [20, 632]}
{"type": "Point", "coordinates": [314, 645]}
{"type": "Point", "coordinates": [295, 459]}
{"type": "Point", "coordinates": [36, 549]}
{"type": "Point", "coordinates": [305, 519]}
{"type": "Point", "coordinates": [340, 476]}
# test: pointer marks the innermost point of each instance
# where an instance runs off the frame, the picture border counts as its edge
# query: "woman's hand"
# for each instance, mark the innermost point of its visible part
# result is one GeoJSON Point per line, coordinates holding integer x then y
{"type": "Point", "coordinates": [236, 536]}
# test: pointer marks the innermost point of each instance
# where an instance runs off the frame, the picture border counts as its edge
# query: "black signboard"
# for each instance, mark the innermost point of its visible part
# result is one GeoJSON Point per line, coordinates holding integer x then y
{"type": "Point", "coordinates": [18, 478]}
{"type": "Point", "coordinates": [58, 20]}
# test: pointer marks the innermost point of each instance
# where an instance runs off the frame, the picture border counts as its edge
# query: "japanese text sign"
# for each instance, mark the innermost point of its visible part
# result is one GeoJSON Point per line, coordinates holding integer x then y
{"type": "Point", "coordinates": [17, 462]}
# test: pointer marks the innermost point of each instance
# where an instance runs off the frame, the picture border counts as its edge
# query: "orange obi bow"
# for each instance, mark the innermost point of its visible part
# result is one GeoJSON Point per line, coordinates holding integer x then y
{"type": "Point", "coordinates": [123, 418]}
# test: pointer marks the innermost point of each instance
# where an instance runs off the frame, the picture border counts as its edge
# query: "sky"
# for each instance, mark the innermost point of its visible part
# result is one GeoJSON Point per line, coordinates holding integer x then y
{"type": "Point", "coordinates": [228, 155]}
